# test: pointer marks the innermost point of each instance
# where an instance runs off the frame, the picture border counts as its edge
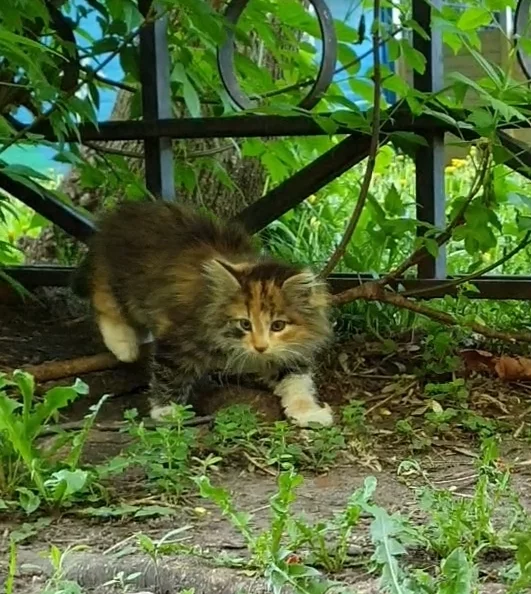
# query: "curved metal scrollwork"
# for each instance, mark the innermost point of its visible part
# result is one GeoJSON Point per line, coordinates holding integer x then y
{"type": "Point", "coordinates": [522, 27]}
{"type": "Point", "coordinates": [326, 67]}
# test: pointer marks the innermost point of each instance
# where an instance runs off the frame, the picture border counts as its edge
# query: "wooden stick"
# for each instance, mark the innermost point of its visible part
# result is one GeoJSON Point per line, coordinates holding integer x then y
{"type": "Point", "coordinates": [54, 370]}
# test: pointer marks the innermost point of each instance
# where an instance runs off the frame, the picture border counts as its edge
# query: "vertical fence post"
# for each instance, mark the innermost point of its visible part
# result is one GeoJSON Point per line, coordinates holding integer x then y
{"type": "Point", "coordinates": [429, 162]}
{"type": "Point", "coordinates": [156, 102]}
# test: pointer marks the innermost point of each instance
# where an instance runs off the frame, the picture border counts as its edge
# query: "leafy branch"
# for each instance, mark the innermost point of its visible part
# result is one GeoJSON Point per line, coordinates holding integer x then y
{"type": "Point", "coordinates": [418, 255]}
{"type": "Point", "coordinates": [90, 76]}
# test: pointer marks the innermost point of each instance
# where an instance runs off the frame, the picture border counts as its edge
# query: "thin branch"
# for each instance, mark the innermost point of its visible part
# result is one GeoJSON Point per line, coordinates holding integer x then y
{"type": "Point", "coordinates": [55, 370]}
{"type": "Point", "coordinates": [107, 81]}
{"type": "Point", "coordinates": [109, 150]}
{"type": "Point", "coordinates": [140, 155]}
{"type": "Point", "coordinates": [446, 234]}
{"type": "Point", "coordinates": [373, 150]}
{"type": "Point", "coordinates": [374, 291]}
{"type": "Point", "coordinates": [116, 426]}
{"type": "Point", "coordinates": [465, 279]}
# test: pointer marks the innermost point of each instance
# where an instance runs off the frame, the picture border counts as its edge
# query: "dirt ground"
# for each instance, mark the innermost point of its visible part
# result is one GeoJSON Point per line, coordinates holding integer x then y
{"type": "Point", "coordinates": [355, 370]}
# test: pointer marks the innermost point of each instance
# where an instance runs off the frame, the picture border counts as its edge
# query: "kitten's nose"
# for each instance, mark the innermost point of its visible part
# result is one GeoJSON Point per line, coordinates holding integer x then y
{"type": "Point", "coordinates": [260, 348]}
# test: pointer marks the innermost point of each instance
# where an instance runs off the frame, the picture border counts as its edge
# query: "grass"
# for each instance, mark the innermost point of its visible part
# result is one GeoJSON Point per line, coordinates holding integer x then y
{"type": "Point", "coordinates": [444, 553]}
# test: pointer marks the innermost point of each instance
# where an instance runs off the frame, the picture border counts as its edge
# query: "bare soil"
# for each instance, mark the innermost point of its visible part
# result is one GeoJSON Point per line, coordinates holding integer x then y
{"type": "Point", "coordinates": [351, 371]}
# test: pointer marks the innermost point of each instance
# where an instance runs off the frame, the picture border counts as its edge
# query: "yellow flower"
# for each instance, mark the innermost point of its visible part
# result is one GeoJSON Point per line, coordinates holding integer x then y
{"type": "Point", "coordinates": [458, 162]}
{"type": "Point", "coordinates": [450, 169]}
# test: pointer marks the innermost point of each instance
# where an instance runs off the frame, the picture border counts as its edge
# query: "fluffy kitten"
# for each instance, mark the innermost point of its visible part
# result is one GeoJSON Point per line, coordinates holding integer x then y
{"type": "Point", "coordinates": [211, 302]}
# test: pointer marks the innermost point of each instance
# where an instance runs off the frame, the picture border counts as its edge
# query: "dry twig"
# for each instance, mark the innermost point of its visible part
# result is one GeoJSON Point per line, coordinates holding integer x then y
{"type": "Point", "coordinates": [374, 291]}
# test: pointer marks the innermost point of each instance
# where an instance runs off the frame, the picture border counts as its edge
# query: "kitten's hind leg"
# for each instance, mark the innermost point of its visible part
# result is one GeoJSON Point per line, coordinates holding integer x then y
{"type": "Point", "coordinates": [298, 396]}
{"type": "Point", "coordinates": [119, 337]}
{"type": "Point", "coordinates": [171, 382]}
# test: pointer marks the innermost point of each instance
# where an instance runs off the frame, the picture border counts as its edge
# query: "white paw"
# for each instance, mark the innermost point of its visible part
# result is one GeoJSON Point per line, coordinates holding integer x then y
{"type": "Point", "coordinates": [321, 415]}
{"type": "Point", "coordinates": [120, 339]}
{"type": "Point", "coordinates": [158, 413]}
{"type": "Point", "coordinates": [127, 352]}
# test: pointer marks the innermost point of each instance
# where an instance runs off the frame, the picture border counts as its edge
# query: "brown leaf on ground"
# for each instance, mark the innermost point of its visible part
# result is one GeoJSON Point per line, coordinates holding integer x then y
{"type": "Point", "coordinates": [505, 367]}
{"type": "Point", "coordinates": [480, 361]}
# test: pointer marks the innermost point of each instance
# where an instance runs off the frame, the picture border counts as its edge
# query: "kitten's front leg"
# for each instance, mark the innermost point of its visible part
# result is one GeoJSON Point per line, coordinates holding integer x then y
{"type": "Point", "coordinates": [171, 381]}
{"type": "Point", "coordinates": [298, 396]}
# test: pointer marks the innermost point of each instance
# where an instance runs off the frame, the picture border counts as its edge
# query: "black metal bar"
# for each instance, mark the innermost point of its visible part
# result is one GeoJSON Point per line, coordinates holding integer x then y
{"type": "Point", "coordinates": [490, 287]}
{"type": "Point", "coordinates": [32, 277]}
{"type": "Point", "coordinates": [156, 102]}
{"type": "Point", "coordinates": [429, 161]}
{"type": "Point", "coordinates": [305, 182]}
{"type": "Point", "coordinates": [46, 204]}
{"type": "Point", "coordinates": [250, 126]}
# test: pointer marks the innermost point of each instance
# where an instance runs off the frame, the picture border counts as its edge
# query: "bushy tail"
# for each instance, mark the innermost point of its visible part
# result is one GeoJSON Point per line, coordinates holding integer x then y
{"type": "Point", "coordinates": [80, 284]}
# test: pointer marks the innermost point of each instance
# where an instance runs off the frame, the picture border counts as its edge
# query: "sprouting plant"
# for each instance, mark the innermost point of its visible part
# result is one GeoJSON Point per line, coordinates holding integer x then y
{"type": "Point", "coordinates": [470, 523]}
{"type": "Point", "coordinates": [329, 541]}
{"type": "Point", "coordinates": [28, 470]}
{"type": "Point", "coordinates": [270, 555]}
{"type": "Point", "coordinates": [166, 453]}
{"type": "Point", "coordinates": [59, 582]}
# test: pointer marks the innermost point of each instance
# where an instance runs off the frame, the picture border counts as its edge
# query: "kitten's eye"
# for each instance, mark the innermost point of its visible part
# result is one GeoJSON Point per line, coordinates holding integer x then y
{"type": "Point", "coordinates": [245, 325]}
{"type": "Point", "coordinates": [278, 325]}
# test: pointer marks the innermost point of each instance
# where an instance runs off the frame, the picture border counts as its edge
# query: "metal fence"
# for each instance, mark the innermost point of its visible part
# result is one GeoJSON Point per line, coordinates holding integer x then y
{"type": "Point", "coordinates": [157, 129]}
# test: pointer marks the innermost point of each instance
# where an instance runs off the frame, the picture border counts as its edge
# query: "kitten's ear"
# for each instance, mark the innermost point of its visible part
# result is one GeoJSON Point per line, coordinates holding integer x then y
{"type": "Point", "coordinates": [222, 275]}
{"type": "Point", "coordinates": [305, 285]}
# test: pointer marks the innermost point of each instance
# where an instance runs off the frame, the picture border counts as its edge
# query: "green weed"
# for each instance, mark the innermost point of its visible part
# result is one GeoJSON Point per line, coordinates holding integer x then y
{"type": "Point", "coordinates": [471, 523]}
{"type": "Point", "coordinates": [167, 454]}
{"type": "Point", "coordinates": [30, 472]}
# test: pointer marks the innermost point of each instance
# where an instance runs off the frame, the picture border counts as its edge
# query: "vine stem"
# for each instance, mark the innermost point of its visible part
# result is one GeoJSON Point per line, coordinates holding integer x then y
{"type": "Point", "coordinates": [373, 151]}
{"type": "Point", "coordinates": [469, 277]}
{"type": "Point", "coordinates": [446, 234]}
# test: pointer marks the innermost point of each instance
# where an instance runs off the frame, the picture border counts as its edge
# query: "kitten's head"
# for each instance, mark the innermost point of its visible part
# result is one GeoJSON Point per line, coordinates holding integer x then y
{"type": "Point", "coordinates": [267, 311]}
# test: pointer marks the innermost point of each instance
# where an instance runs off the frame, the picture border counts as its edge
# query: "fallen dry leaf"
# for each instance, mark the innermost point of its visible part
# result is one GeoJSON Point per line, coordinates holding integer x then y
{"type": "Point", "coordinates": [505, 367]}
{"type": "Point", "coordinates": [513, 368]}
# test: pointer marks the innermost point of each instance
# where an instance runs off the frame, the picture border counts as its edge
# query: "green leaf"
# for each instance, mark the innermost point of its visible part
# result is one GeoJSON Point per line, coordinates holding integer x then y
{"type": "Point", "coordinates": [384, 158]}
{"type": "Point", "coordinates": [473, 18]}
{"type": "Point", "coordinates": [54, 400]}
{"type": "Point", "coordinates": [363, 87]}
{"type": "Point", "coordinates": [457, 572]}
{"type": "Point", "coordinates": [413, 58]}
{"type": "Point", "coordinates": [67, 482]}
{"type": "Point", "coordinates": [523, 222]}
{"type": "Point", "coordinates": [154, 510]}
{"type": "Point", "coordinates": [393, 202]}
{"type": "Point", "coordinates": [129, 61]}
{"type": "Point", "coordinates": [191, 99]}
{"type": "Point", "coordinates": [28, 500]}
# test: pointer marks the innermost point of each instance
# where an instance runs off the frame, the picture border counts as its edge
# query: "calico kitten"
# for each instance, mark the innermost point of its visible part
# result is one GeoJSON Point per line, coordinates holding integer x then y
{"type": "Point", "coordinates": [211, 302]}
